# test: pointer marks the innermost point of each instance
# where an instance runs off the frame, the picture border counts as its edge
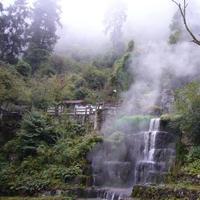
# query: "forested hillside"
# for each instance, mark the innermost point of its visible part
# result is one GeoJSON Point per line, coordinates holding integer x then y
{"type": "Point", "coordinates": [38, 151]}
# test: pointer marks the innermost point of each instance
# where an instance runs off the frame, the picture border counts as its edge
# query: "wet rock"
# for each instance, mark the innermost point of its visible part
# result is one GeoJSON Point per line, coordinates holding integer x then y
{"type": "Point", "coordinates": [167, 100]}
{"type": "Point", "coordinates": [98, 179]}
{"type": "Point", "coordinates": [118, 172]}
{"type": "Point", "coordinates": [163, 140]}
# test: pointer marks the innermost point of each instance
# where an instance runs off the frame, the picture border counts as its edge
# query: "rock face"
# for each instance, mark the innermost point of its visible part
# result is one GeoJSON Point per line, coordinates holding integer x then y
{"type": "Point", "coordinates": [117, 172]}
{"type": "Point", "coordinates": [166, 101]}
{"type": "Point", "coordinates": [145, 157]}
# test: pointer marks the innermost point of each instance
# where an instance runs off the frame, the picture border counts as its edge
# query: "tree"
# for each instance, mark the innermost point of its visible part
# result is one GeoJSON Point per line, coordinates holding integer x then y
{"type": "Point", "coordinates": [35, 129]}
{"type": "Point", "coordinates": [45, 18]}
{"type": "Point", "coordinates": [23, 68]}
{"type": "Point", "coordinates": [122, 77]}
{"type": "Point", "coordinates": [114, 18]}
{"type": "Point", "coordinates": [130, 46]}
{"type": "Point", "coordinates": [44, 91]}
{"type": "Point", "coordinates": [13, 31]}
{"type": "Point", "coordinates": [186, 112]}
{"type": "Point", "coordinates": [176, 28]}
{"type": "Point", "coordinates": [12, 88]}
{"type": "Point", "coordinates": [58, 63]}
{"type": "Point", "coordinates": [94, 78]}
{"type": "Point", "coordinates": [183, 14]}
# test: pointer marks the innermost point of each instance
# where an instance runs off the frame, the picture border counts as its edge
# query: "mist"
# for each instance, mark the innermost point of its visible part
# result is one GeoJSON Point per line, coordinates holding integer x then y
{"type": "Point", "coordinates": [157, 66]}
{"type": "Point", "coordinates": [146, 20]}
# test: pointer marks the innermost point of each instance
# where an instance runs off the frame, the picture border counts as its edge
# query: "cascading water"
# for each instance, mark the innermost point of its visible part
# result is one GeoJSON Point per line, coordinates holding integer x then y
{"type": "Point", "coordinates": [150, 137]}
{"type": "Point", "coordinates": [157, 151]}
{"type": "Point", "coordinates": [144, 157]}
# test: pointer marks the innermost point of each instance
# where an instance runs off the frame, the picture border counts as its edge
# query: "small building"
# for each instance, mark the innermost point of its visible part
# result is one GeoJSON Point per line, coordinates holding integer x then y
{"type": "Point", "coordinates": [65, 105]}
{"type": "Point", "coordinates": [72, 103]}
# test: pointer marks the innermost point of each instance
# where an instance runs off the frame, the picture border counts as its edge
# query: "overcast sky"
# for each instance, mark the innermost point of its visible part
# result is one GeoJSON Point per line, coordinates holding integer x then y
{"type": "Point", "coordinates": [142, 14]}
{"type": "Point", "coordinates": [147, 19]}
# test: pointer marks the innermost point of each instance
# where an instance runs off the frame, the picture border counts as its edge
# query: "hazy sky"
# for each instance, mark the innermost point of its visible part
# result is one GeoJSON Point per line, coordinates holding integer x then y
{"type": "Point", "coordinates": [144, 14]}
{"type": "Point", "coordinates": [92, 11]}
{"type": "Point", "coordinates": [147, 19]}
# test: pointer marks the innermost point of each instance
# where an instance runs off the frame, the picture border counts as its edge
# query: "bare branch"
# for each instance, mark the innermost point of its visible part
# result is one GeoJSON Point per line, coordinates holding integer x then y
{"type": "Point", "coordinates": [175, 2]}
{"type": "Point", "coordinates": [183, 14]}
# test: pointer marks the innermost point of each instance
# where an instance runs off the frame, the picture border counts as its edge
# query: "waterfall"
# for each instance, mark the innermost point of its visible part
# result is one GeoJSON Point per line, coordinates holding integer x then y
{"type": "Point", "coordinates": [143, 158]}
{"type": "Point", "coordinates": [150, 138]}
{"type": "Point", "coordinates": [154, 124]}
{"type": "Point", "coordinates": [113, 195]}
{"type": "Point", "coordinates": [148, 165]}
{"type": "Point", "coordinates": [155, 155]}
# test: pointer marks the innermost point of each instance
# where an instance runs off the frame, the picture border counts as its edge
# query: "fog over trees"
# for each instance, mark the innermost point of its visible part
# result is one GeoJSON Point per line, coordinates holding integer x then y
{"type": "Point", "coordinates": [55, 51]}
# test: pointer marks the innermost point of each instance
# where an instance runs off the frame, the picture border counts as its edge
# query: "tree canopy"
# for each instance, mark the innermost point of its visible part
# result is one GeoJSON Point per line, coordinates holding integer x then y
{"type": "Point", "coordinates": [13, 31]}
{"type": "Point", "coordinates": [114, 18]}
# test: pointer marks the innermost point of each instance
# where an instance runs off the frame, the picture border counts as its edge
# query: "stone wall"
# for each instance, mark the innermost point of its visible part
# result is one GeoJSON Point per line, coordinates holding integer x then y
{"type": "Point", "coordinates": [189, 178]}
{"type": "Point", "coordinates": [87, 193]}
{"type": "Point", "coordinates": [163, 192]}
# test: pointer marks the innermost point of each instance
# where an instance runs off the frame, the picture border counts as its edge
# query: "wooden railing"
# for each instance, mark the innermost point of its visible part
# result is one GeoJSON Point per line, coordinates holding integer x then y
{"type": "Point", "coordinates": [72, 111]}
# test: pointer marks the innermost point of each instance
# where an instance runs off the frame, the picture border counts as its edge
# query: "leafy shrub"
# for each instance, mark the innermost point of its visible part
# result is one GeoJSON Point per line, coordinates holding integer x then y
{"type": "Point", "coordinates": [35, 128]}
{"type": "Point", "coordinates": [192, 168]}
{"type": "Point", "coordinates": [187, 108]}
{"type": "Point", "coordinates": [71, 150]}
{"type": "Point", "coordinates": [117, 137]}
{"type": "Point", "coordinates": [52, 165]}
{"type": "Point", "coordinates": [23, 68]}
{"type": "Point", "coordinates": [194, 154]}
{"type": "Point", "coordinates": [122, 77]}
{"type": "Point", "coordinates": [30, 184]}
{"type": "Point", "coordinates": [46, 154]}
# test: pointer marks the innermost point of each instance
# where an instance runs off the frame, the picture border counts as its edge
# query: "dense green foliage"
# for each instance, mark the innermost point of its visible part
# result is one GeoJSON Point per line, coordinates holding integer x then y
{"type": "Point", "coordinates": [44, 154]}
{"type": "Point", "coordinates": [122, 77]}
{"type": "Point", "coordinates": [35, 28]}
{"type": "Point", "coordinates": [13, 29]}
{"type": "Point", "coordinates": [35, 129]}
{"type": "Point", "coordinates": [187, 108]}
{"type": "Point", "coordinates": [12, 86]}
{"type": "Point", "coordinates": [183, 121]}
{"type": "Point", "coordinates": [23, 68]}
{"type": "Point", "coordinates": [38, 151]}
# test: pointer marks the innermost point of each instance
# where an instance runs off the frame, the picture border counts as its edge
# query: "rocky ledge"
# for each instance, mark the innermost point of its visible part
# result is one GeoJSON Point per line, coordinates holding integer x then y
{"type": "Point", "coordinates": [92, 192]}
{"type": "Point", "coordinates": [163, 192]}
